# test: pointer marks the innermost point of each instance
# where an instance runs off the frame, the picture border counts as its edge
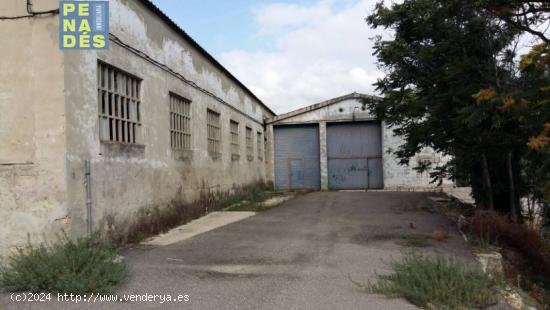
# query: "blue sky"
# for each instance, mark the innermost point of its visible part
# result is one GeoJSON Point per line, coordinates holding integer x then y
{"type": "Point", "coordinates": [289, 53]}
{"type": "Point", "coordinates": [220, 26]}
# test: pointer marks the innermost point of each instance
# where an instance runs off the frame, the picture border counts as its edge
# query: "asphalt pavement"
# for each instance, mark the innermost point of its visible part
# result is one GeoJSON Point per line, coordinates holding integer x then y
{"type": "Point", "coordinates": [316, 251]}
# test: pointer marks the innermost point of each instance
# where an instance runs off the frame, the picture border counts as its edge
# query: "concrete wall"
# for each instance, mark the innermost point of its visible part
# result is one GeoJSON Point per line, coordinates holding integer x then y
{"type": "Point", "coordinates": [49, 123]}
{"type": "Point", "coordinates": [396, 176]}
{"type": "Point", "coordinates": [32, 126]}
{"type": "Point", "coordinates": [133, 177]}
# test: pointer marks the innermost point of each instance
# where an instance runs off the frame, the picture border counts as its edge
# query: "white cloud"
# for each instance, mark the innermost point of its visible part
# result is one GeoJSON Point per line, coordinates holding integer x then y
{"type": "Point", "coordinates": [278, 17]}
{"type": "Point", "coordinates": [321, 51]}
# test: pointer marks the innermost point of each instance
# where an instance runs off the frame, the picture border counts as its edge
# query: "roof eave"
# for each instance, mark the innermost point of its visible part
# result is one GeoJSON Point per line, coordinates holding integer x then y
{"type": "Point", "coordinates": [320, 105]}
{"type": "Point", "coordinates": [201, 50]}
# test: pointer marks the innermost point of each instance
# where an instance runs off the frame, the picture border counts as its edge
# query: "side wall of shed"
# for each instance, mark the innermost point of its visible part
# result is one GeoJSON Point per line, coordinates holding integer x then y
{"type": "Point", "coordinates": [129, 181]}
{"type": "Point", "coordinates": [49, 126]}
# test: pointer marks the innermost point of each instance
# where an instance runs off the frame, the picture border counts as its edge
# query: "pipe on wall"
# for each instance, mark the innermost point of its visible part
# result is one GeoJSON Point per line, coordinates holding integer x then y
{"type": "Point", "coordinates": [88, 186]}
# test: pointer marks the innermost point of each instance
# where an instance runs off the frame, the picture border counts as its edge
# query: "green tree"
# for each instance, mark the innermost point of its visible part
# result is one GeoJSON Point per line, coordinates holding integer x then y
{"type": "Point", "coordinates": [524, 15]}
{"type": "Point", "coordinates": [530, 104]}
{"type": "Point", "coordinates": [451, 84]}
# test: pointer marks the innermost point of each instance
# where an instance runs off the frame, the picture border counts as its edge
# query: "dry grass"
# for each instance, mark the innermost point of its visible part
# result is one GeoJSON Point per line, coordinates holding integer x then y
{"type": "Point", "coordinates": [492, 228]}
{"type": "Point", "coordinates": [526, 255]}
{"type": "Point", "coordinates": [151, 221]}
{"type": "Point", "coordinates": [415, 241]}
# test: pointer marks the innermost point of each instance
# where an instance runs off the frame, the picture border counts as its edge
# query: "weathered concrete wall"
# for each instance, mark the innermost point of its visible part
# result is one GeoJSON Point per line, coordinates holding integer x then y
{"type": "Point", "coordinates": [32, 126]}
{"type": "Point", "coordinates": [396, 176]}
{"type": "Point", "coordinates": [404, 177]}
{"type": "Point", "coordinates": [49, 126]}
{"type": "Point", "coordinates": [127, 178]}
{"type": "Point", "coordinates": [346, 110]}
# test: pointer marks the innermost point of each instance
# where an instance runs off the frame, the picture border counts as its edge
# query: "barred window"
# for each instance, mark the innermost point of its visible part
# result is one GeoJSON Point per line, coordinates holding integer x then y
{"type": "Point", "coordinates": [234, 128]}
{"type": "Point", "coordinates": [260, 142]}
{"type": "Point", "coordinates": [119, 105]}
{"type": "Point", "coordinates": [249, 145]}
{"type": "Point", "coordinates": [180, 122]}
{"type": "Point", "coordinates": [214, 132]}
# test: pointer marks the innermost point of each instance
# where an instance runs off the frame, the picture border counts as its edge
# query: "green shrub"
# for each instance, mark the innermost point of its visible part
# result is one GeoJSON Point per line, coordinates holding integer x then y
{"type": "Point", "coordinates": [250, 200]}
{"type": "Point", "coordinates": [64, 266]}
{"type": "Point", "coordinates": [439, 281]}
{"type": "Point", "coordinates": [252, 195]}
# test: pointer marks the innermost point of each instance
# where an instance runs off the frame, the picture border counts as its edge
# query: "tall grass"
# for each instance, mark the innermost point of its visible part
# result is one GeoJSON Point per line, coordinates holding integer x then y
{"type": "Point", "coordinates": [64, 266]}
{"type": "Point", "coordinates": [437, 281]}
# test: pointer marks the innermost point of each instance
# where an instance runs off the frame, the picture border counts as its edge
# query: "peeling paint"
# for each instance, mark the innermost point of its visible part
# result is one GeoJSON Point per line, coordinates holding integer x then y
{"type": "Point", "coordinates": [57, 129]}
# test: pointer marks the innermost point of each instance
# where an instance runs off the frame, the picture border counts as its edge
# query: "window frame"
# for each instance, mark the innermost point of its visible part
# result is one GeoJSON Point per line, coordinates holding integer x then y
{"type": "Point", "coordinates": [259, 141]}
{"type": "Point", "coordinates": [180, 122]}
{"type": "Point", "coordinates": [235, 145]}
{"type": "Point", "coordinates": [119, 105]}
{"type": "Point", "coordinates": [249, 143]}
{"type": "Point", "coordinates": [213, 135]}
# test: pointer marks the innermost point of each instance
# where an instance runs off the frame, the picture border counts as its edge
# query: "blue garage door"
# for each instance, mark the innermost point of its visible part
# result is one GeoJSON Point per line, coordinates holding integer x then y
{"type": "Point", "coordinates": [297, 157]}
{"type": "Point", "coordinates": [354, 155]}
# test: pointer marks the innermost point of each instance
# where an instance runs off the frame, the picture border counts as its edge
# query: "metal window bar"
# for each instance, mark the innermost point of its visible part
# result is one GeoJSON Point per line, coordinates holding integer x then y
{"type": "Point", "coordinates": [214, 132]}
{"type": "Point", "coordinates": [259, 141]}
{"type": "Point", "coordinates": [234, 129]}
{"type": "Point", "coordinates": [249, 145]}
{"type": "Point", "coordinates": [180, 122]}
{"type": "Point", "coordinates": [118, 105]}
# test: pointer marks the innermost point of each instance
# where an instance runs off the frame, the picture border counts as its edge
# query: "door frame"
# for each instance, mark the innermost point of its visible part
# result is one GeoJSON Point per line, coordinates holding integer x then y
{"type": "Point", "coordinates": [315, 125]}
{"type": "Point", "coordinates": [381, 157]}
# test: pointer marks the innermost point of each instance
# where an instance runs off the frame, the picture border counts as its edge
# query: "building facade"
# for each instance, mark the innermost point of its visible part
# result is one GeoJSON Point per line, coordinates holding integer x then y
{"type": "Point", "coordinates": [338, 145]}
{"type": "Point", "coordinates": [156, 117]}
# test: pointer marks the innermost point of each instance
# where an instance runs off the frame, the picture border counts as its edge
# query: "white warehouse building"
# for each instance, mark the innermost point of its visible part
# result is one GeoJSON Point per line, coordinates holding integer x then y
{"type": "Point", "coordinates": [337, 144]}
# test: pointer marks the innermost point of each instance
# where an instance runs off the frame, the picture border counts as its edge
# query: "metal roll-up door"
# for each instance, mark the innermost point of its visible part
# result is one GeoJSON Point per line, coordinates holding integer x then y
{"type": "Point", "coordinates": [354, 153]}
{"type": "Point", "coordinates": [296, 157]}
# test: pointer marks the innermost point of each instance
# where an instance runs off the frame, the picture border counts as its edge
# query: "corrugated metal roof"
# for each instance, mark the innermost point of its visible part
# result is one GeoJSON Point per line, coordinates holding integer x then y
{"type": "Point", "coordinates": [150, 5]}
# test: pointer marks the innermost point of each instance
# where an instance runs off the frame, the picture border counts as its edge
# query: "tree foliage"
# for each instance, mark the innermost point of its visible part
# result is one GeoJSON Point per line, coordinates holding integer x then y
{"type": "Point", "coordinates": [452, 84]}
{"type": "Point", "coordinates": [528, 16]}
